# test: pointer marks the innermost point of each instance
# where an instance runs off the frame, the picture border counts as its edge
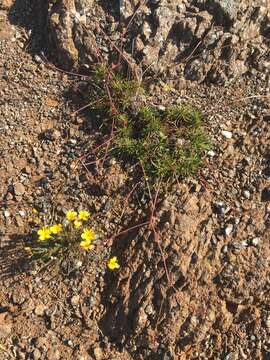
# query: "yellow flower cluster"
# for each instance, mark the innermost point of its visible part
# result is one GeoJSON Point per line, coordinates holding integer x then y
{"type": "Point", "coordinates": [45, 233]}
{"type": "Point", "coordinates": [72, 215]}
{"type": "Point", "coordinates": [76, 220]}
{"type": "Point", "coordinates": [88, 235]}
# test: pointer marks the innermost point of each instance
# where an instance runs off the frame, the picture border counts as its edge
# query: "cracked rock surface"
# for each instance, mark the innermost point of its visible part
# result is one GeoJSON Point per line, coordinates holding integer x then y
{"type": "Point", "coordinates": [200, 290]}
{"type": "Point", "coordinates": [199, 40]}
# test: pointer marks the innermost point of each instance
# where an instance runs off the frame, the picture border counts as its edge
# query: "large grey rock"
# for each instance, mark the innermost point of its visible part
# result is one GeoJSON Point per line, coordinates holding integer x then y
{"type": "Point", "coordinates": [213, 40]}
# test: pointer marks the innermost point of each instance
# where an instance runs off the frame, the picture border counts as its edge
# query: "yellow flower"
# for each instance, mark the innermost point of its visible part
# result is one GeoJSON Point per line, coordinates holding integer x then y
{"type": "Point", "coordinates": [33, 217]}
{"type": "Point", "coordinates": [113, 263]}
{"type": "Point", "coordinates": [77, 224]}
{"type": "Point", "coordinates": [88, 234]}
{"type": "Point", "coordinates": [56, 228]}
{"type": "Point", "coordinates": [83, 215]}
{"type": "Point", "coordinates": [44, 234]}
{"type": "Point", "coordinates": [71, 215]}
{"type": "Point", "coordinates": [86, 244]}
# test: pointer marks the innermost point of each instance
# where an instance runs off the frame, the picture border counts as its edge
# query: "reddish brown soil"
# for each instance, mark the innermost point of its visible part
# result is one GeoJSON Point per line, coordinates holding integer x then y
{"type": "Point", "coordinates": [199, 289]}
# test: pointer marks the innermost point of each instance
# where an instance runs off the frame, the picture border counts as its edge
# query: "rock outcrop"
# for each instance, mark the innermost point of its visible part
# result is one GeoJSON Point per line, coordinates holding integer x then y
{"type": "Point", "coordinates": [199, 40]}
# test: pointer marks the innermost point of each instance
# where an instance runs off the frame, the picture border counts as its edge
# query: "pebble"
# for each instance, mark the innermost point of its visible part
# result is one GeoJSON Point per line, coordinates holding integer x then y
{"type": "Point", "coordinates": [36, 354]}
{"type": "Point", "coordinates": [19, 189]}
{"type": "Point", "coordinates": [228, 229]}
{"type": "Point", "coordinates": [98, 353]}
{"type": "Point", "coordinates": [244, 356]}
{"type": "Point", "coordinates": [18, 298]}
{"type": "Point", "coordinates": [256, 241]}
{"type": "Point", "coordinates": [244, 243]}
{"type": "Point", "coordinates": [22, 213]}
{"type": "Point", "coordinates": [219, 207]}
{"type": "Point", "coordinates": [40, 309]}
{"type": "Point", "coordinates": [226, 134]}
{"type": "Point", "coordinates": [38, 59]}
{"type": "Point", "coordinates": [211, 153]}
{"type": "Point", "coordinates": [267, 323]}
{"type": "Point", "coordinates": [225, 249]}
{"type": "Point", "coordinates": [232, 356]}
{"type": "Point", "coordinates": [246, 194]}
{"type": "Point", "coordinates": [161, 107]}
{"type": "Point", "coordinates": [78, 264]}
{"type": "Point", "coordinates": [75, 300]}
{"type": "Point", "coordinates": [6, 214]}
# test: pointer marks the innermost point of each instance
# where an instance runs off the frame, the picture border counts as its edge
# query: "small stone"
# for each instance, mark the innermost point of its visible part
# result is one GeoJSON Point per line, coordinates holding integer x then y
{"type": "Point", "coordinates": [98, 353]}
{"type": "Point", "coordinates": [219, 207]}
{"type": "Point", "coordinates": [19, 189]}
{"type": "Point", "coordinates": [232, 356]}
{"type": "Point", "coordinates": [161, 107]}
{"type": "Point", "coordinates": [22, 213]}
{"type": "Point", "coordinates": [19, 221]}
{"type": "Point", "coordinates": [224, 249]}
{"type": "Point", "coordinates": [211, 153]}
{"type": "Point", "coordinates": [75, 300]}
{"type": "Point", "coordinates": [226, 134]}
{"type": "Point", "coordinates": [9, 196]}
{"type": "Point", "coordinates": [38, 59]}
{"type": "Point", "coordinates": [5, 324]}
{"type": "Point", "coordinates": [36, 354]}
{"type": "Point", "coordinates": [40, 309]}
{"type": "Point", "coordinates": [244, 243]}
{"type": "Point", "coordinates": [53, 354]}
{"type": "Point", "coordinates": [78, 264]}
{"type": "Point", "coordinates": [113, 162]}
{"type": "Point", "coordinates": [246, 194]}
{"type": "Point", "coordinates": [267, 323]}
{"type": "Point", "coordinates": [256, 241]}
{"type": "Point", "coordinates": [6, 214]}
{"type": "Point", "coordinates": [18, 297]}
{"type": "Point", "coordinates": [228, 229]}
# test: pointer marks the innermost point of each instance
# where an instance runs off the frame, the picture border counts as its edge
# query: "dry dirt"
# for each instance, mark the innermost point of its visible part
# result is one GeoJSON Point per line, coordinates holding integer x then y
{"type": "Point", "coordinates": [197, 290]}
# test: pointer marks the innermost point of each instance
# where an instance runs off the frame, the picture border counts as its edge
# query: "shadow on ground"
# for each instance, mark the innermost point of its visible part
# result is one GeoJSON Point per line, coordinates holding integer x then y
{"type": "Point", "coordinates": [13, 257]}
{"type": "Point", "coordinates": [32, 16]}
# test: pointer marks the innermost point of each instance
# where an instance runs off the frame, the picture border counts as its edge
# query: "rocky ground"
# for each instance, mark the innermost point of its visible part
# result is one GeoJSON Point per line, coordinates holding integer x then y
{"type": "Point", "coordinates": [211, 299]}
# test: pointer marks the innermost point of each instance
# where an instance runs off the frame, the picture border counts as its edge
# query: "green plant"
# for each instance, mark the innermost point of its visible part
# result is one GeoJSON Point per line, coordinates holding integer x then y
{"type": "Point", "coordinates": [166, 143]}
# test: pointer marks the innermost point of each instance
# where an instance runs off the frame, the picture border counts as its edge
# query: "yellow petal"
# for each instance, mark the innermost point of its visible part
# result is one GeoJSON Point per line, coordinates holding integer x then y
{"type": "Point", "coordinates": [113, 263]}
{"type": "Point", "coordinates": [56, 228]}
{"type": "Point", "coordinates": [83, 215]}
{"type": "Point", "coordinates": [77, 224]}
{"type": "Point", "coordinates": [71, 215]}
